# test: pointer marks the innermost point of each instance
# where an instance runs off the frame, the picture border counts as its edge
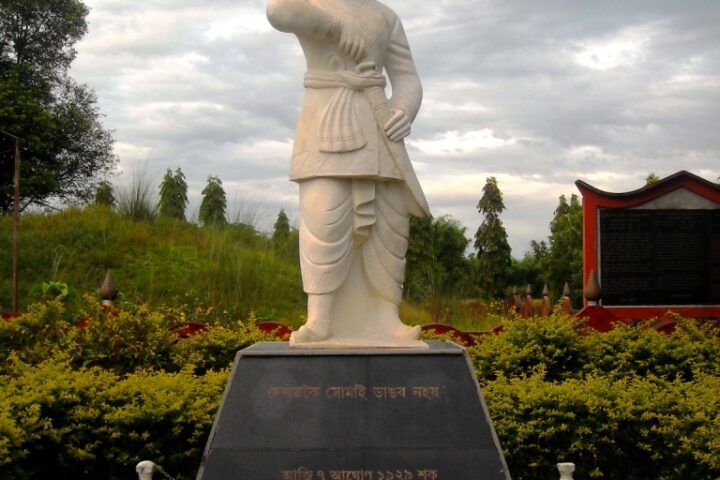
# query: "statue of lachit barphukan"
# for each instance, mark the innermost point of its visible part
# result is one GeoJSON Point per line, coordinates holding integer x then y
{"type": "Point", "coordinates": [357, 185]}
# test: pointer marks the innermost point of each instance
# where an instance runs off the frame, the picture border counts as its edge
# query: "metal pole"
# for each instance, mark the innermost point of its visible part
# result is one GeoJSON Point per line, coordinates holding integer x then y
{"type": "Point", "coordinates": [16, 228]}
{"type": "Point", "coordinates": [15, 223]}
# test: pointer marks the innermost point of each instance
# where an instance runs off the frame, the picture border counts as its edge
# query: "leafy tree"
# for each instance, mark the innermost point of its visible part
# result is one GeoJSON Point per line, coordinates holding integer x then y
{"type": "Point", "coordinates": [493, 249]}
{"type": "Point", "coordinates": [64, 148]}
{"type": "Point", "coordinates": [173, 195]}
{"type": "Point", "coordinates": [281, 229]}
{"type": "Point", "coordinates": [104, 194]}
{"type": "Point", "coordinates": [423, 271]}
{"type": "Point", "coordinates": [651, 179]}
{"type": "Point", "coordinates": [286, 240]}
{"type": "Point", "coordinates": [212, 208]}
{"type": "Point", "coordinates": [565, 259]}
{"type": "Point", "coordinates": [436, 261]}
{"type": "Point", "coordinates": [532, 269]}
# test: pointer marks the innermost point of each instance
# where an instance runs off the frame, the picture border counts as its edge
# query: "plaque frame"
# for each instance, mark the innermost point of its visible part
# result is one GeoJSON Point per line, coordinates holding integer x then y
{"type": "Point", "coordinates": [680, 191]}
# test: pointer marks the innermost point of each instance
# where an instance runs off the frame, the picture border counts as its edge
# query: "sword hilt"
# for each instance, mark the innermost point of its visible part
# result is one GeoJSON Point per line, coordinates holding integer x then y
{"type": "Point", "coordinates": [376, 95]}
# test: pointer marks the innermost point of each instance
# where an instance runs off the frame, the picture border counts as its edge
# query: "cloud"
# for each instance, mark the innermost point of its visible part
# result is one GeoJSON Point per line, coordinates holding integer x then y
{"type": "Point", "coordinates": [460, 143]}
{"type": "Point", "coordinates": [537, 94]}
{"type": "Point", "coordinates": [628, 48]}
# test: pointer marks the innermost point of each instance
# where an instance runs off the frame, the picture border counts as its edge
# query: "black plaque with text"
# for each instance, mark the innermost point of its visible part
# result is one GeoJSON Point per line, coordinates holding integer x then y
{"type": "Point", "coordinates": [377, 414]}
{"type": "Point", "coordinates": [659, 257]}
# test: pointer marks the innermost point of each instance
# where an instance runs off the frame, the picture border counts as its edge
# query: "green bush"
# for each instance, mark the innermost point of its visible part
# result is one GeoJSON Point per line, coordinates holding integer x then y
{"type": "Point", "coordinates": [639, 350]}
{"type": "Point", "coordinates": [215, 348]}
{"type": "Point", "coordinates": [35, 335]}
{"type": "Point", "coordinates": [123, 341]}
{"type": "Point", "coordinates": [119, 340]}
{"type": "Point", "coordinates": [631, 403]}
{"type": "Point", "coordinates": [61, 422]}
{"type": "Point", "coordinates": [563, 348]}
{"type": "Point", "coordinates": [553, 345]}
{"type": "Point", "coordinates": [636, 428]}
{"type": "Point", "coordinates": [160, 416]}
{"type": "Point", "coordinates": [55, 418]}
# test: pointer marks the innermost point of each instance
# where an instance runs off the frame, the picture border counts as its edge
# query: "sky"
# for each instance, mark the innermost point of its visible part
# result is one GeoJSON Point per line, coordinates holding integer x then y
{"type": "Point", "coordinates": [536, 94]}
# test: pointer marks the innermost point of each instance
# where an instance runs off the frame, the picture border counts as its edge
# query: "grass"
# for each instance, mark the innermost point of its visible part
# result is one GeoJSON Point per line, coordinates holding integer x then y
{"type": "Point", "coordinates": [137, 200]}
{"type": "Point", "coordinates": [229, 271]}
{"type": "Point", "coordinates": [468, 315]}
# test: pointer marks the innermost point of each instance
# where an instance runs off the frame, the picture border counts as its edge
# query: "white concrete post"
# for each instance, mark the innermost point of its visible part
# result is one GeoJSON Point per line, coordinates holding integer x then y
{"type": "Point", "coordinates": [145, 470]}
{"type": "Point", "coordinates": [566, 470]}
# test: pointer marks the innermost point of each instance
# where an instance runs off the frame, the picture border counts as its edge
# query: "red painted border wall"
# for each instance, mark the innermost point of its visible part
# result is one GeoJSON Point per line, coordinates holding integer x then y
{"type": "Point", "coordinates": [594, 198]}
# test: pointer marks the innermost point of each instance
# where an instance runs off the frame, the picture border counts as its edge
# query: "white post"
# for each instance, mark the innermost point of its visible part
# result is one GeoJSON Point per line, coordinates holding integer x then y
{"type": "Point", "coordinates": [566, 470]}
{"type": "Point", "coordinates": [145, 470]}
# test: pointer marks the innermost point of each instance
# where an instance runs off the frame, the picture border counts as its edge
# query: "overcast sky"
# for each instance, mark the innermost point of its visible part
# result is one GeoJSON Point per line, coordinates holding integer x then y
{"type": "Point", "coordinates": [536, 93]}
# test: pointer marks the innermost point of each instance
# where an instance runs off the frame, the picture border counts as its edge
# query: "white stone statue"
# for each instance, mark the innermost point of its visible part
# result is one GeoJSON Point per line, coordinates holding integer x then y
{"type": "Point", "coordinates": [357, 185]}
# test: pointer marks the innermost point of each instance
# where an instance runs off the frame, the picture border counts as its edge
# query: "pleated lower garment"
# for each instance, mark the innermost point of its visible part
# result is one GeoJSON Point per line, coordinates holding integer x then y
{"type": "Point", "coordinates": [344, 217]}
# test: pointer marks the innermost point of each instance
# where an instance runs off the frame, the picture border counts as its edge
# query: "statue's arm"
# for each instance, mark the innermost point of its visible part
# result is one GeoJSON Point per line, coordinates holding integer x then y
{"type": "Point", "coordinates": [406, 87]}
{"type": "Point", "coordinates": [299, 16]}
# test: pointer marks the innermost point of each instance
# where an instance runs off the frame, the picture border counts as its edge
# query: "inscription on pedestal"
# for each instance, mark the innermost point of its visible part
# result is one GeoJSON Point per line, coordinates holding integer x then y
{"type": "Point", "coordinates": [303, 473]}
{"type": "Point", "coordinates": [660, 257]}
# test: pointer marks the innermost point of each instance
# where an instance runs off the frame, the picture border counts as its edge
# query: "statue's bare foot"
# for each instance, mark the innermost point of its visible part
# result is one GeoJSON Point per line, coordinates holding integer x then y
{"type": "Point", "coordinates": [306, 335]}
{"type": "Point", "coordinates": [412, 333]}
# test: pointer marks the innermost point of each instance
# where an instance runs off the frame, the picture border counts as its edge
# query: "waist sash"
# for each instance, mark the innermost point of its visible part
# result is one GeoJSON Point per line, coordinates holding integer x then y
{"type": "Point", "coordinates": [340, 129]}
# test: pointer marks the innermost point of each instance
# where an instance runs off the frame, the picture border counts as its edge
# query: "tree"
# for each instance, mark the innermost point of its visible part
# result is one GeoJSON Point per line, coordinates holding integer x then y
{"type": "Point", "coordinates": [436, 261]}
{"type": "Point", "coordinates": [651, 179]}
{"type": "Point", "coordinates": [65, 150]}
{"type": "Point", "coordinates": [532, 269]}
{"type": "Point", "coordinates": [173, 195]}
{"type": "Point", "coordinates": [212, 208]}
{"type": "Point", "coordinates": [491, 244]}
{"type": "Point", "coordinates": [104, 194]}
{"type": "Point", "coordinates": [281, 229]}
{"type": "Point", "coordinates": [286, 240]}
{"type": "Point", "coordinates": [565, 259]}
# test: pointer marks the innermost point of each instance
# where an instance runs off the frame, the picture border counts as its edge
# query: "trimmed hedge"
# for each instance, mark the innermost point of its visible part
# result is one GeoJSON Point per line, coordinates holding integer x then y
{"type": "Point", "coordinates": [634, 428]}
{"type": "Point", "coordinates": [564, 348]}
{"type": "Point", "coordinates": [121, 341]}
{"type": "Point", "coordinates": [632, 403]}
{"type": "Point", "coordinates": [61, 422]}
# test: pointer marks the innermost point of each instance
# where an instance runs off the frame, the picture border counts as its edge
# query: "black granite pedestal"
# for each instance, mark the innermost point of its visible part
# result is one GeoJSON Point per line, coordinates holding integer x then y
{"type": "Point", "coordinates": [378, 414]}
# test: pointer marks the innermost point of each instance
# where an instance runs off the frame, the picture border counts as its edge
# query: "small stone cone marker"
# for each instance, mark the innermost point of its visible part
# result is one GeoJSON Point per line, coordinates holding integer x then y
{"type": "Point", "coordinates": [108, 291]}
{"type": "Point", "coordinates": [592, 290]}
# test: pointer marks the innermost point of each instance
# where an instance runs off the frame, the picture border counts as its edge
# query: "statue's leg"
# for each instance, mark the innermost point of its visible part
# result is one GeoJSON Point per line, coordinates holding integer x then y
{"type": "Point", "coordinates": [326, 241]}
{"type": "Point", "coordinates": [384, 256]}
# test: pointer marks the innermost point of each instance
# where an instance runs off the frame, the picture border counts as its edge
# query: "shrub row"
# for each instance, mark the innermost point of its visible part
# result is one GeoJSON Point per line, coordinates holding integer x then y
{"type": "Point", "coordinates": [121, 341]}
{"type": "Point", "coordinates": [632, 403]}
{"type": "Point", "coordinates": [60, 422]}
{"type": "Point", "coordinates": [564, 348]}
{"type": "Point", "coordinates": [634, 428]}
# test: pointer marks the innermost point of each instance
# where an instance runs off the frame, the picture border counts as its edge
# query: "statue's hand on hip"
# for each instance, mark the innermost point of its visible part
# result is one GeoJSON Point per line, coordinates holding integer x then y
{"type": "Point", "coordinates": [352, 41]}
{"type": "Point", "coordinates": [398, 125]}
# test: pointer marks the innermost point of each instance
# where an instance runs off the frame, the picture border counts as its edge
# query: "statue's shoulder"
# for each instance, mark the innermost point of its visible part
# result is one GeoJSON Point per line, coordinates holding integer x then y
{"type": "Point", "coordinates": [387, 12]}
